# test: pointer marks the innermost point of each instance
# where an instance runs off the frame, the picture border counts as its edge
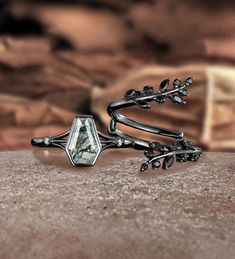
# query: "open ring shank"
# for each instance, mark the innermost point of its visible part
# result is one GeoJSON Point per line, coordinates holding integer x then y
{"type": "Point", "coordinates": [119, 118]}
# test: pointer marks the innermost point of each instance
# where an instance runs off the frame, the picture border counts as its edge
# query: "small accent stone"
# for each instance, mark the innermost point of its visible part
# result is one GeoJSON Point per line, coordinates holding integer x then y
{"type": "Point", "coordinates": [119, 142]}
{"type": "Point", "coordinates": [168, 162]}
{"type": "Point", "coordinates": [156, 164]}
{"type": "Point", "coordinates": [177, 83]}
{"type": "Point", "coordinates": [148, 89]}
{"type": "Point", "coordinates": [47, 140]}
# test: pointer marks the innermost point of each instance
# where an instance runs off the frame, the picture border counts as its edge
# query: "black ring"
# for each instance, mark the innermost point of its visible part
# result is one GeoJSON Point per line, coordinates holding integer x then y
{"type": "Point", "coordinates": [181, 151]}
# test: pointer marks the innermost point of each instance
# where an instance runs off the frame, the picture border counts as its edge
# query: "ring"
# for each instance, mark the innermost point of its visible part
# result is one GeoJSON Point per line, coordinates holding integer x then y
{"type": "Point", "coordinates": [83, 143]}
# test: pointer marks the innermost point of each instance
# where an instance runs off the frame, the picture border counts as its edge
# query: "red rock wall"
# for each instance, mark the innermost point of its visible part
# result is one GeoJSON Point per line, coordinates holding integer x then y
{"type": "Point", "coordinates": [58, 59]}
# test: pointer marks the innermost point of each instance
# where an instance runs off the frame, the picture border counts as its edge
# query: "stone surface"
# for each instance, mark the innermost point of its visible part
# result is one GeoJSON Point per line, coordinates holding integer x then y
{"type": "Point", "coordinates": [50, 209]}
{"type": "Point", "coordinates": [83, 146]}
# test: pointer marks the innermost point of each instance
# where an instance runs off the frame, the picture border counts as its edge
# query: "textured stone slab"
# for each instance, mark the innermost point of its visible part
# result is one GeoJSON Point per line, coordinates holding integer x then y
{"type": "Point", "coordinates": [49, 209]}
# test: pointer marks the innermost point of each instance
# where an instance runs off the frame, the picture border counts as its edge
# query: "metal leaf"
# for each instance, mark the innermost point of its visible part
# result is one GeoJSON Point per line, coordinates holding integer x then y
{"type": "Point", "coordinates": [144, 167]}
{"type": "Point", "coordinates": [156, 164]}
{"type": "Point", "coordinates": [149, 153]}
{"type": "Point", "coordinates": [178, 145]}
{"type": "Point", "coordinates": [164, 148]}
{"type": "Point", "coordinates": [143, 104]}
{"type": "Point", "coordinates": [189, 80]}
{"type": "Point", "coordinates": [177, 99]}
{"type": "Point", "coordinates": [183, 92]}
{"type": "Point", "coordinates": [177, 83]}
{"type": "Point", "coordinates": [195, 157]}
{"type": "Point", "coordinates": [181, 158]}
{"type": "Point", "coordinates": [132, 93]}
{"type": "Point", "coordinates": [159, 99]}
{"type": "Point", "coordinates": [164, 85]}
{"type": "Point", "coordinates": [168, 162]}
{"type": "Point", "coordinates": [148, 90]}
{"type": "Point", "coordinates": [186, 144]}
{"type": "Point", "coordinates": [155, 145]}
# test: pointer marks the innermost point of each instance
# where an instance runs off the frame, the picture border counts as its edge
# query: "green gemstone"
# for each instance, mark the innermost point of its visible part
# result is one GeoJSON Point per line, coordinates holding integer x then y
{"type": "Point", "coordinates": [83, 146]}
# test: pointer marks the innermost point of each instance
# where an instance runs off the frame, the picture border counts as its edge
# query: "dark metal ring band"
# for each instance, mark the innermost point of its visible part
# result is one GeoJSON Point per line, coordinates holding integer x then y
{"type": "Point", "coordinates": [85, 153]}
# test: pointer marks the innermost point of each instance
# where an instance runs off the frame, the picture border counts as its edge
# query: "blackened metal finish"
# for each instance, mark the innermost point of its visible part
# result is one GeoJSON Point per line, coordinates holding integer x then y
{"type": "Point", "coordinates": [119, 139]}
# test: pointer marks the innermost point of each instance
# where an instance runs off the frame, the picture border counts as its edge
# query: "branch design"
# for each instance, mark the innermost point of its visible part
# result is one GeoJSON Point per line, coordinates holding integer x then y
{"type": "Point", "coordinates": [158, 155]}
{"type": "Point", "coordinates": [180, 151]}
{"type": "Point", "coordinates": [141, 98]}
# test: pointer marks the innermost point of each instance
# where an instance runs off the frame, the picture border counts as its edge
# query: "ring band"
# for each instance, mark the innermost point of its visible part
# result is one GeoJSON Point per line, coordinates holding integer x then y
{"type": "Point", "coordinates": [83, 143]}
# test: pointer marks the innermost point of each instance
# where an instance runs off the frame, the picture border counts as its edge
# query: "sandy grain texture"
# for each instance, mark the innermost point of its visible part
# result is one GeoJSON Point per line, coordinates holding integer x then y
{"type": "Point", "coordinates": [48, 209]}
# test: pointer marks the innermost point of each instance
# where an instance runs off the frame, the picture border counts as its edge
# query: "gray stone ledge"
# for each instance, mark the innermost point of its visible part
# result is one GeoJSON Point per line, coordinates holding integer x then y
{"type": "Point", "coordinates": [49, 209]}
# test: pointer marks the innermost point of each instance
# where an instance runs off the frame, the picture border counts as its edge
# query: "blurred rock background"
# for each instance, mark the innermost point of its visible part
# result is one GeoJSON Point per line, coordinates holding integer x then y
{"type": "Point", "coordinates": [61, 58]}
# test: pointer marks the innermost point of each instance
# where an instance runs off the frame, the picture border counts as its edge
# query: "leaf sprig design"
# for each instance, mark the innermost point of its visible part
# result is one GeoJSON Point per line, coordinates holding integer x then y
{"type": "Point", "coordinates": [176, 94]}
{"type": "Point", "coordinates": [165, 155]}
{"type": "Point", "coordinates": [180, 151]}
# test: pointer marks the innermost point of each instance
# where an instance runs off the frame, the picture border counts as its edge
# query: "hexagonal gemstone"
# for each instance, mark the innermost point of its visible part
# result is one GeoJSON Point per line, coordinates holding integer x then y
{"type": "Point", "coordinates": [83, 146]}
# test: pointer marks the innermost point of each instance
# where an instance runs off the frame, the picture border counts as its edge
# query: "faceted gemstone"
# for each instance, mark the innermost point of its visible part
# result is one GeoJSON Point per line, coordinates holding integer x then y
{"type": "Point", "coordinates": [164, 85]}
{"type": "Point", "coordinates": [183, 92]}
{"type": "Point", "coordinates": [177, 99]}
{"type": "Point", "coordinates": [144, 167]}
{"type": "Point", "coordinates": [132, 94]}
{"type": "Point", "coordinates": [83, 146]}
{"type": "Point", "coordinates": [156, 164]}
{"type": "Point", "coordinates": [148, 89]}
{"type": "Point", "coordinates": [177, 83]}
{"type": "Point", "coordinates": [168, 162]}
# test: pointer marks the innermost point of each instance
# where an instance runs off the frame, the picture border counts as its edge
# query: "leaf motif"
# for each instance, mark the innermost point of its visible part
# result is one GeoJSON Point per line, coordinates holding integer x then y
{"type": "Point", "coordinates": [178, 158]}
{"type": "Point", "coordinates": [155, 145]}
{"type": "Point", "coordinates": [159, 99]}
{"type": "Point", "coordinates": [183, 92]}
{"type": "Point", "coordinates": [143, 104]}
{"type": "Point", "coordinates": [149, 153]}
{"type": "Point", "coordinates": [184, 157]}
{"type": "Point", "coordinates": [148, 90]}
{"type": "Point", "coordinates": [156, 164]}
{"type": "Point", "coordinates": [143, 167]}
{"type": "Point", "coordinates": [177, 83]}
{"type": "Point", "coordinates": [132, 93]}
{"type": "Point", "coordinates": [189, 80]}
{"type": "Point", "coordinates": [177, 99]}
{"type": "Point", "coordinates": [164, 148]}
{"type": "Point", "coordinates": [181, 158]}
{"type": "Point", "coordinates": [195, 157]}
{"type": "Point", "coordinates": [129, 93]}
{"type": "Point", "coordinates": [168, 162]}
{"type": "Point", "coordinates": [164, 85]}
{"type": "Point", "coordinates": [186, 144]}
{"type": "Point", "coordinates": [178, 144]}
